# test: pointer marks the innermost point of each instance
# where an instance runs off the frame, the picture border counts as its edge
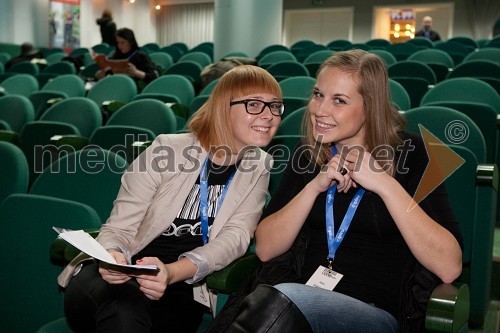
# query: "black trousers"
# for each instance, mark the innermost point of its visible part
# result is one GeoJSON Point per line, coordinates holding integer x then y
{"type": "Point", "coordinates": [93, 305]}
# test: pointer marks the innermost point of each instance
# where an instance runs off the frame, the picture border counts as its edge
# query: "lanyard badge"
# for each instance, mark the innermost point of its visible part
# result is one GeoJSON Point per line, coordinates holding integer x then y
{"type": "Point", "coordinates": [204, 199]}
{"type": "Point", "coordinates": [333, 239]}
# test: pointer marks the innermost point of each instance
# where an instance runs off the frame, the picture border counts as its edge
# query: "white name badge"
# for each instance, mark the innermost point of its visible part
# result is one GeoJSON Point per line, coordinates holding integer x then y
{"type": "Point", "coordinates": [201, 294]}
{"type": "Point", "coordinates": [324, 278]}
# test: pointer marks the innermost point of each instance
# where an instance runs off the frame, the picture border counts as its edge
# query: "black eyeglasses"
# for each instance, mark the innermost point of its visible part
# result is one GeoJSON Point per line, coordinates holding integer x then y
{"type": "Point", "coordinates": [256, 106]}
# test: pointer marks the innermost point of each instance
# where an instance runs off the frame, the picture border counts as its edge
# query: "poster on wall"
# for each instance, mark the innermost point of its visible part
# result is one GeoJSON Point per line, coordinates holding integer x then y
{"type": "Point", "coordinates": [64, 24]}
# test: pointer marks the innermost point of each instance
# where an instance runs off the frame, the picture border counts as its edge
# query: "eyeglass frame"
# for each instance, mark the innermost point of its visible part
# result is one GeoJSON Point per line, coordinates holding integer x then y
{"type": "Point", "coordinates": [266, 104]}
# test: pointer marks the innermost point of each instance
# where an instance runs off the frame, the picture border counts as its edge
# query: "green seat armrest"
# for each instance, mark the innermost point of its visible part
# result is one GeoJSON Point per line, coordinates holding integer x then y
{"type": "Point", "coordinates": [448, 308]}
{"type": "Point", "coordinates": [233, 276]}
{"type": "Point", "coordinates": [53, 101]}
{"type": "Point", "coordinates": [179, 109]}
{"type": "Point", "coordinates": [9, 136]}
{"type": "Point", "coordinates": [56, 252]}
{"type": "Point", "coordinates": [61, 252]}
{"type": "Point", "coordinates": [112, 106]}
{"type": "Point", "coordinates": [74, 141]}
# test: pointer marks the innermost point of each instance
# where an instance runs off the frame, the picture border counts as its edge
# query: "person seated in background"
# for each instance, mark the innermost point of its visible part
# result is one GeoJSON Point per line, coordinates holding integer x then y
{"type": "Point", "coordinates": [357, 253]}
{"type": "Point", "coordinates": [427, 31]}
{"type": "Point", "coordinates": [28, 53]}
{"type": "Point", "coordinates": [189, 204]}
{"type": "Point", "coordinates": [140, 67]}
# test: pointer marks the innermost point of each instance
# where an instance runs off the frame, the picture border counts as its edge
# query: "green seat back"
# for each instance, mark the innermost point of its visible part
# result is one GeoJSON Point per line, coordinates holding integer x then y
{"type": "Point", "coordinates": [466, 41]}
{"type": "Point", "coordinates": [173, 51]}
{"type": "Point", "coordinates": [421, 42]}
{"type": "Point", "coordinates": [119, 139]}
{"type": "Point", "coordinates": [199, 57]}
{"type": "Point", "coordinates": [89, 176]}
{"type": "Point", "coordinates": [292, 124]}
{"type": "Point", "coordinates": [401, 51]}
{"type": "Point", "coordinates": [314, 61]}
{"type": "Point", "coordinates": [25, 67]}
{"type": "Point", "coordinates": [433, 56]}
{"type": "Point", "coordinates": [207, 90]}
{"type": "Point", "coordinates": [161, 59]}
{"type": "Point", "coordinates": [338, 44]}
{"type": "Point", "coordinates": [33, 297]}
{"type": "Point", "coordinates": [181, 46]}
{"type": "Point", "coordinates": [387, 56]}
{"type": "Point", "coordinates": [187, 68]}
{"type": "Point", "coordinates": [399, 95]}
{"type": "Point", "coordinates": [448, 125]}
{"type": "Point", "coordinates": [416, 87]}
{"type": "Point", "coordinates": [35, 142]}
{"type": "Point", "coordinates": [299, 45]}
{"type": "Point", "coordinates": [70, 84]}
{"type": "Point", "coordinates": [59, 68]}
{"type": "Point", "coordinates": [113, 88]}
{"type": "Point", "coordinates": [297, 86]}
{"type": "Point", "coordinates": [293, 104]}
{"type": "Point", "coordinates": [281, 148]}
{"type": "Point", "coordinates": [271, 48]}
{"type": "Point", "coordinates": [274, 57]}
{"type": "Point", "coordinates": [81, 112]}
{"type": "Point", "coordinates": [147, 113]}
{"type": "Point", "coordinates": [303, 53]}
{"type": "Point", "coordinates": [89, 71]}
{"type": "Point", "coordinates": [379, 43]}
{"type": "Point", "coordinates": [153, 47]}
{"type": "Point", "coordinates": [456, 50]}
{"type": "Point", "coordinates": [477, 69]}
{"type": "Point", "coordinates": [197, 102]}
{"type": "Point", "coordinates": [463, 89]}
{"type": "Point", "coordinates": [487, 53]}
{"type": "Point", "coordinates": [409, 68]}
{"type": "Point", "coordinates": [206, 47]}
{"type": "Point", "coordinates": [285, 69]}
{"type": "Point", "coordinates": [16, 110]}
{"type": "Point", "coordinates": [14, 172]}
{"type": "Point", "coordinates": [21, 84]}
{"type": "Point", "coordinates": [172, 86]}
{"type": "Point", "coordinates": [358, 46]}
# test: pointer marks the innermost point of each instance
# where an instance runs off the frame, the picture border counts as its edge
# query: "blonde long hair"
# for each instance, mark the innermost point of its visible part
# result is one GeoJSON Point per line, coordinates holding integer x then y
{"type": "Point", "coordinates": [382, 120]}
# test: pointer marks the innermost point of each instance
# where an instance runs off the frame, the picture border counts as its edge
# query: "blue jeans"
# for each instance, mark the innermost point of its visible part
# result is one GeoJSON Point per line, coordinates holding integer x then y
{"type": "Point", "coordinates": [329, 311]}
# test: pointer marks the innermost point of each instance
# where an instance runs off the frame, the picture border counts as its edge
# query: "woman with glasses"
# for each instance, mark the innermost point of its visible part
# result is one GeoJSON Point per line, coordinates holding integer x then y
{"type": "Point", "coordinates": [189, 205]}
{"type": "Point", "coordinates": [357, 253]}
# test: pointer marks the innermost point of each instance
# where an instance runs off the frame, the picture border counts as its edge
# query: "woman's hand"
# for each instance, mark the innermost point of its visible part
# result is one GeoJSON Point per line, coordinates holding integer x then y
{"type": "Point", "coordinates": [112, 276]}
{"type": "Point", "coordinates": [153, 284]}
{"type": "Point", "coordinates": [335, 171]}
{"type": "Point", "coordinates": [365, 170]}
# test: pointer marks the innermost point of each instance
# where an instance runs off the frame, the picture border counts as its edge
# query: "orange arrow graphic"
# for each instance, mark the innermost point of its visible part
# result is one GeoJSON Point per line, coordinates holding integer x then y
{"type": "Point", "coordinates": [443, 161]}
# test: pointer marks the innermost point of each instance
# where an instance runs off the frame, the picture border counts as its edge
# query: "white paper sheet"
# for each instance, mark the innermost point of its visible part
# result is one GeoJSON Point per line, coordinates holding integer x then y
{"type": "Point", "coordinates": [86, 243]}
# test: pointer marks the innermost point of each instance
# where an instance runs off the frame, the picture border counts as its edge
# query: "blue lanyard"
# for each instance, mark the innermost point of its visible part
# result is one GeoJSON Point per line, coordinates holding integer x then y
{"type": "Point", "coordinates": [204, 199]}
{"type": "Point", "coordinates": [132, 55]}
{"type": "Point", "coordinates": [333, 239]}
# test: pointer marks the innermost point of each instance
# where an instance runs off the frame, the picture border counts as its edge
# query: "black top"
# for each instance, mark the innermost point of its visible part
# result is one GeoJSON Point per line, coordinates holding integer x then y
{"type": "Point", "coordinates": [429, 34]}
{"type": "Point", "coordinates": [141, 61]}
{"type": "Point", "coordinates": [373, 256]}
{"type": "Point", "coordinates": [184, 234]}
{"type": "Point", "coordinates": [108, 30]}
